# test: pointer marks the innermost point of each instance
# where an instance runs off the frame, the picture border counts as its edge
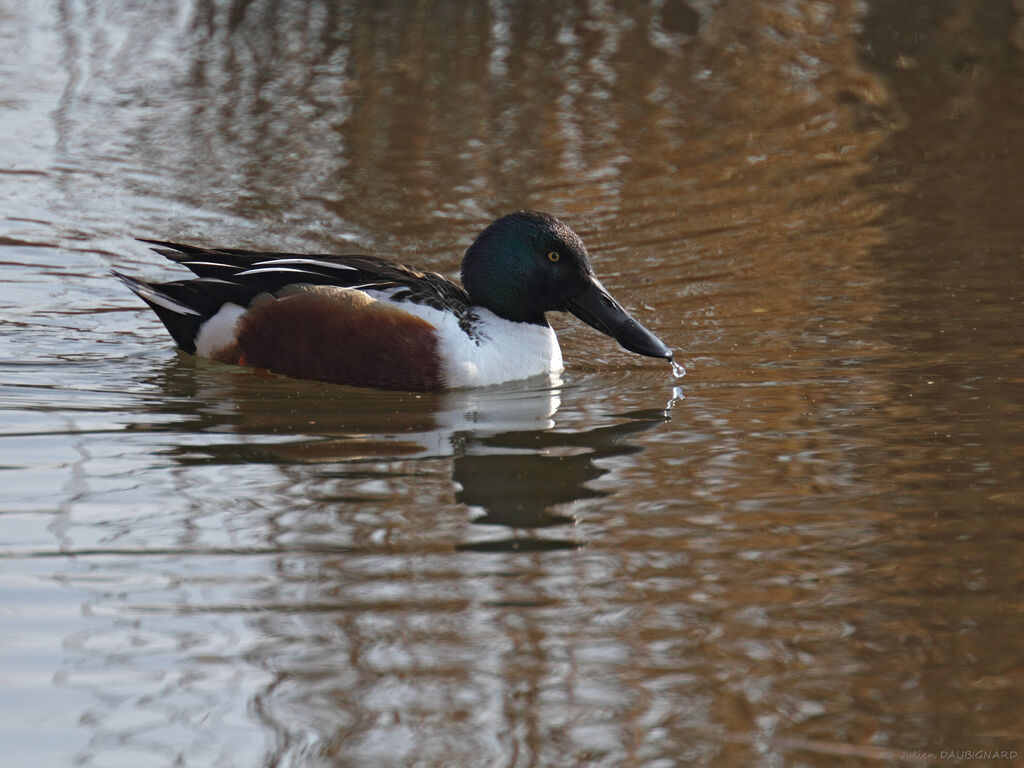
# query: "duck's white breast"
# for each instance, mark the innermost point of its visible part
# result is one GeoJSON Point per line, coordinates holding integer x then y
{"type": "Point", "coordinates": [498, 351]}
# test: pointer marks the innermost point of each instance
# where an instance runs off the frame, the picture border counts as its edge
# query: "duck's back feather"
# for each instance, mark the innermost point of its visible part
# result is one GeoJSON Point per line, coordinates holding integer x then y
{"type": "Point", "coordinates": [249, 273]}
{"type": "Point", "coordinates": [237, 276]}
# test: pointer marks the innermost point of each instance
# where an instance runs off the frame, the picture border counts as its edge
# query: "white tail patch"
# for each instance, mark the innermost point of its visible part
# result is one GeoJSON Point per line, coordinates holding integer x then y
{"type": "Point", "coordinates": [218, 332]}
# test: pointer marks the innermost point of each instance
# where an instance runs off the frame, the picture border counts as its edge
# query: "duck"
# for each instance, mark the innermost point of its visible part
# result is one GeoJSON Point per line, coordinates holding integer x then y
{"type": "Point", "coordinates": [369, 322]}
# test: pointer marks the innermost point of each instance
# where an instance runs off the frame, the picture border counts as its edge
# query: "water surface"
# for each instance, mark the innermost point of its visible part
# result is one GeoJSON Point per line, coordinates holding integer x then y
{"type": "Point", "coordinates": [806, 552]}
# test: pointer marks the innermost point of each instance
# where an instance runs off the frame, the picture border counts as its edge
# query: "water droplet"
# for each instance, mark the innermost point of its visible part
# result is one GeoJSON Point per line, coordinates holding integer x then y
{"type": "Point", "coordinates": [677, 395]}
{"type": "Point", "coordinates": [677, 370]}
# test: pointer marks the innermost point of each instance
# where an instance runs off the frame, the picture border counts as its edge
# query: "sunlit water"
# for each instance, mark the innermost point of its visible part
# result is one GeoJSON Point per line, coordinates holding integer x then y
{"type": "Point", "coordinates": [805, 552]}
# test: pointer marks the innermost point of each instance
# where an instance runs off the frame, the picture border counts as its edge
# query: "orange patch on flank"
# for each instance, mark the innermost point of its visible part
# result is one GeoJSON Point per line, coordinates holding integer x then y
{"type": "Point", "coordinates": [229, 354]}
{"type": "Point", "coordinates": [342, 336]}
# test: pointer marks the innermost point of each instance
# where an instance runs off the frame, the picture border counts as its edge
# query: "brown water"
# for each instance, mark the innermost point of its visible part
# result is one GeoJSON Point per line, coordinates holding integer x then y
{"type": "Point", "coordinates": [807, 552]}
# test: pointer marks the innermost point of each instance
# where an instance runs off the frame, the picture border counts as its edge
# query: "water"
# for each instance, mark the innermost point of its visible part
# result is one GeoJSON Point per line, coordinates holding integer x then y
{"type": "Point", "coordinates": [807, 552]}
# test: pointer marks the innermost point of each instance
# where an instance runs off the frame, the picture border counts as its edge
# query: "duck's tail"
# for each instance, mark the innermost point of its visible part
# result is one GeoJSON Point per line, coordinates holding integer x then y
{"type": "Point", "coordinates": [181, 307]}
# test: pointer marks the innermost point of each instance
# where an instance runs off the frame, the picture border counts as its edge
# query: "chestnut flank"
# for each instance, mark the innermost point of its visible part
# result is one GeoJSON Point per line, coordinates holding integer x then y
{"type": "Point", "coordinates": [339, 335]}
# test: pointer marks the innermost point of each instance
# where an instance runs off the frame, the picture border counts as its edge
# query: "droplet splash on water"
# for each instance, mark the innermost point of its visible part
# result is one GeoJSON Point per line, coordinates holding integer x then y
{"type": "Point", "coordinates": [677, 395]}
{"type": "Point", "coordinates": [677, 370]}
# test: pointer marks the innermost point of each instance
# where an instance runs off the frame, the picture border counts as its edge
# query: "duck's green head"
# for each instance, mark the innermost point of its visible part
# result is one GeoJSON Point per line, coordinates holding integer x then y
{"type": "Point", "coordinates": [529, 263]}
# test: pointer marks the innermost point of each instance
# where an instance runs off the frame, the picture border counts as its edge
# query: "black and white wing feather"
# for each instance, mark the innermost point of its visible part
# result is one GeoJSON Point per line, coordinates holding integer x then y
{"type": "Point", "coordinates": [236, 276]}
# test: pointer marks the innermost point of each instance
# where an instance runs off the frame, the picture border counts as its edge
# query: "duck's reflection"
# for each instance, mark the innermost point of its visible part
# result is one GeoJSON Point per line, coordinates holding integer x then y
{"type": "Point", "coordinates": [517, 477]}
{"type": "Point", "coordinates": [508, 458]}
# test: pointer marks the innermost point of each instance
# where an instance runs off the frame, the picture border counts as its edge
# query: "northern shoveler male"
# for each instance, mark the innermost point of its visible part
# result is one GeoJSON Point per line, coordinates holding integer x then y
{"type": "Point", "coordinates": [368, 322]}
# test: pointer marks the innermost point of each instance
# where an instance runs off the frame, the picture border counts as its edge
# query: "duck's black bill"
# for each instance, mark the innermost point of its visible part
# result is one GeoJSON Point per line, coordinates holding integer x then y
{"type": "Point", "coordinates": [598, 309]}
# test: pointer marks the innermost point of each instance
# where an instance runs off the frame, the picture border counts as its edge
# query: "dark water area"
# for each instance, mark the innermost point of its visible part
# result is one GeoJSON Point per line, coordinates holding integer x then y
{"type": "Point", "coordinates": [807, 552]}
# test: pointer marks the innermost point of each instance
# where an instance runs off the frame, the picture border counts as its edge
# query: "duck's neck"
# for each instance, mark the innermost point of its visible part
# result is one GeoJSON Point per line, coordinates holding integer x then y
{"type": "Point", "coordinates": [513, 314]}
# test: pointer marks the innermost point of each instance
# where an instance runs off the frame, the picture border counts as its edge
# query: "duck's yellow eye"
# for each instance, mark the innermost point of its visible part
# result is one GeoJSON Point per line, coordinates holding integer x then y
{"type": "Point", "coordinates": [554, 255]}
